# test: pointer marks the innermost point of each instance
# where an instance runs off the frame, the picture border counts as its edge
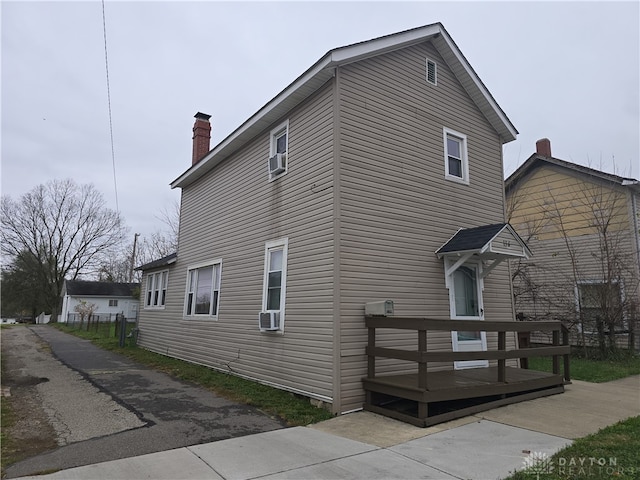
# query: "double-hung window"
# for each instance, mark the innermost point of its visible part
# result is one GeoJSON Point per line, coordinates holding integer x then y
{"type": "Point", "coordinates": [275, 277]}
{"type": "Point", "coordinates": [279, 151]}
{"type": "Point", "coordinates": [156, 291]}
{"type": "Point", "coordinates": [203, 289]}
{"type": "Point", "coordinates": [601, 306]}
{"type": "Point", "coordinates": [456, 163]}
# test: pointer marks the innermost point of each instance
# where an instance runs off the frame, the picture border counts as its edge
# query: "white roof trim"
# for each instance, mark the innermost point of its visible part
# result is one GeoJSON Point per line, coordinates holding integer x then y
{"type": "Point", "coordinates": [319, 73]}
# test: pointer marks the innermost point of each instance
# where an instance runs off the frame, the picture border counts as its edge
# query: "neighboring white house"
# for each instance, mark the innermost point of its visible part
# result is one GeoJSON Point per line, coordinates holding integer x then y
{"type": "Point", "coordinates": [110, 298]}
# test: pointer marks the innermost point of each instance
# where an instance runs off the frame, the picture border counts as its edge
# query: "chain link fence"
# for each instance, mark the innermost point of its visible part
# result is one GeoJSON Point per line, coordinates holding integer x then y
{"type": "Point", "coordinates": [105, 325]}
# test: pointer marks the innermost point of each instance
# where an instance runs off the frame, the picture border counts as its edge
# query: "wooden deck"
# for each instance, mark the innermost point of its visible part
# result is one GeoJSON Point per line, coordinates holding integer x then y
{"type": "Point", "coordinates": [428, 397]}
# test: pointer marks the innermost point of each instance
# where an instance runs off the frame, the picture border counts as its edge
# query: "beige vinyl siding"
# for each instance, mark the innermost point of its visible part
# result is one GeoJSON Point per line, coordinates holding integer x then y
{"type": "Point", "coordinates": [549, 204]}
{"type": "Point", "coordinates": [230, 213]}
{"type": "Point", "coordinates": [397, 208]}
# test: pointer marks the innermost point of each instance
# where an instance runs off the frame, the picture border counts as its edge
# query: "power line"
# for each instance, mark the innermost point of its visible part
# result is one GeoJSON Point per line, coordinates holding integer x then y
{"type": "Point", "coordinates": [106, 64]}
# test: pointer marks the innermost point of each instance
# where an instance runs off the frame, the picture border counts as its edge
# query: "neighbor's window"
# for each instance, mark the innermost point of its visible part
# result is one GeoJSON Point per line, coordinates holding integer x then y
{"type": "Point", "coordinates": [279, 146]}
{"type": "Point", "coordinates": [275, 274]}
{"type": "Point", "coordinates": [113, 303]}
{"type": "Point", "coordinates": [600, 305]}
{"type": "Point", "coordinates": [455, 156]}
{"type": "Point", "coordinates": [156, 292]}
{"type": "Point", "coordinates": [203, 289]}
{"type": "Point", "coordinates": [432, 72]}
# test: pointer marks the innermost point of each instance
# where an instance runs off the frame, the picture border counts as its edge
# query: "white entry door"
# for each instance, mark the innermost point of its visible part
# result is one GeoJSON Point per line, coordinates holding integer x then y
{"type": "Point", "coordinates": [466, 304]}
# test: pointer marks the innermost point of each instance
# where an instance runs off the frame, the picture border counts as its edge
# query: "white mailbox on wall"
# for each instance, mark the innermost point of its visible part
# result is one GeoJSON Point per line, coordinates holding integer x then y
{"type": "Point", "coordinates": [383, 308]}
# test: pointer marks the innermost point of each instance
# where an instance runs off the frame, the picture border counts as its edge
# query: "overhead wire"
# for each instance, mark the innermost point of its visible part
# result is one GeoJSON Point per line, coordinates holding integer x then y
{"type": "Point", "coordinates": [106, 64]}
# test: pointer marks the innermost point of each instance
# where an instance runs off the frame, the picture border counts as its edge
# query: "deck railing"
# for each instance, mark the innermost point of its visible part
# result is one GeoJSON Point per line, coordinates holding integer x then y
{"type": "Point", "coordinates": [560, 348]}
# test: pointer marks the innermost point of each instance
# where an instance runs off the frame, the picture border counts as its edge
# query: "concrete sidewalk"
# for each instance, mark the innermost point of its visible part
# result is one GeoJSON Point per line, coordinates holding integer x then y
{"type": "Point", "coordinates": [363, 445]}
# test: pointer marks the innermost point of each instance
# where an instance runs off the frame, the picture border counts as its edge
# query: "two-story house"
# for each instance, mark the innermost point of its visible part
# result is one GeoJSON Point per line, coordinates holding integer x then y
{"type": "Point", "coordinates": [346, 188]}
{"type": "Point", "coordinates": [583, 226]}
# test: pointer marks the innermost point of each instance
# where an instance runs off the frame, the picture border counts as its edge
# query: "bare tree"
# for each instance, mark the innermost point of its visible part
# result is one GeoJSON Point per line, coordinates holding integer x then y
{"type": "Point", "coordinates": [586, 273]}
{"type": "Point", "coordinates": [171, 218]}
{"type": "Point", "coordinates": [65, 227]}
{"type": "Point", "coordinates": [85, 310]}
{"type": "Point", "coordinates": [161, 242]}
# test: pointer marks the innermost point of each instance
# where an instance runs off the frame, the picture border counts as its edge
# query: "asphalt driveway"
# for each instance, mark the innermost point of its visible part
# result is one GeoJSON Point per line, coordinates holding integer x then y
{"type": "Point", "coordinates": [106, 407]}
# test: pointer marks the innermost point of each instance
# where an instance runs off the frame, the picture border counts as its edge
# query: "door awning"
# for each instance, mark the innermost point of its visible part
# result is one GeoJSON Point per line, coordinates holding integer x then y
{"type": "Point", "coordinates": [495, 243]}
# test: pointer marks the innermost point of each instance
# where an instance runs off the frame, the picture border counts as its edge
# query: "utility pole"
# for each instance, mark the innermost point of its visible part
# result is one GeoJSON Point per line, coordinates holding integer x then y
{"type": "Point", "coordinates": [133, 256]}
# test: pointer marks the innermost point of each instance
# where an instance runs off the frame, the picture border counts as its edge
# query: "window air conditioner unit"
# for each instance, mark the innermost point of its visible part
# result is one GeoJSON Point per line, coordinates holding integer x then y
{"type": "Point", "coordinates": [269, 321]}
{"type": "Point", "coordinates": [277, 163]}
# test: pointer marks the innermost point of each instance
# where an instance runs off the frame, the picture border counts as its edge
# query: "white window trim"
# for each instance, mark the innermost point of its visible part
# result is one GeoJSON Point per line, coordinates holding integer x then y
{"type": "Point", "coordinates": [450, 286]}
{"type": "Point", "coordinates": [284, 126]}
{"type": "Point", "coordinates": [214, 316]}
{"type": "Point", "coordinates": [151, 277]}
{"type": "Point", "coordinates": [620, 283]}
{"type": "Point", "coordinates": [268, 246]}
{"type": "Point", "coordinates": [435, 66]}
{"type": "Point", "coordinates": [465, 158]}
{"type": "Point", "coordinates": [113, 302]}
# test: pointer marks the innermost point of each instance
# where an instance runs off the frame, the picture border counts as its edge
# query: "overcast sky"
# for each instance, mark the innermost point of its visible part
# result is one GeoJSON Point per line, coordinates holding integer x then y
{"type": "Point", "coordinates": [566, 71]}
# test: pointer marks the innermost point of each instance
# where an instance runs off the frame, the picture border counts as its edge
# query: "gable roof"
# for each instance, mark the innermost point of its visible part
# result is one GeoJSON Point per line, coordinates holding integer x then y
{"type": "Point", "coordinates": [536, 161]}
{"type": "Point", "coordinates": [323, 70]}
{"type": "Point", "coordinates": [479, 241]}
{"type": "Point", "coordinates": [161, 262]}
{"type": "Point", "coordinates": [83, 288]}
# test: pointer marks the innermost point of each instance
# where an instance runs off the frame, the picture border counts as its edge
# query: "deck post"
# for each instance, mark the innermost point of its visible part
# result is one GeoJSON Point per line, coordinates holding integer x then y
{"type": "Point", "coordinates": [371, 359]}
{"type": "Point", "coordinates": [422, 365]}
{"type": "Point", "coordinates": [502, 362]}
{"type": "Point", "coordinates": [565, 342]}
{"type": "Point", "coordinates": [423, 407]}
{"type": "Point", "coordinates": [556, 358]}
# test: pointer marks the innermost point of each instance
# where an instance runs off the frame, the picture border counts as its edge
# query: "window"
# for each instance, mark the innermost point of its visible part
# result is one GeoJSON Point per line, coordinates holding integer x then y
{"type": "Point", "coordinates": [113, 303]}
{"type": "Point", "coordinates": [203, 289]}
{"type": "Point", "coordinates": [275, 276]}
{"type": "Point", "coordinates": [279, 146]}
{"type": "Point", "coordinates": [600, 304]}
{"type": "Point", "coordinates": [455, 156]}
{"type": "Point", "coordinates": [465, 292]}
{"type": "Point", "coordinates": [432, 72]}
{"type": "Point", "coordinates": [156, 292]}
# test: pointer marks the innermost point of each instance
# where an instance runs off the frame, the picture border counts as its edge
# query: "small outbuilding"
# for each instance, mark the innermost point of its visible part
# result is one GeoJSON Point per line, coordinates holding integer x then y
{"type": "Point", "coordinates": [110, 298]}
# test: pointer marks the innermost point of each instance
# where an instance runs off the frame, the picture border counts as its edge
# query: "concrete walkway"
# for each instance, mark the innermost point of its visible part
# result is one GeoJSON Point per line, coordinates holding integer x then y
{"type": "Point", "coordinates": [363, 445]}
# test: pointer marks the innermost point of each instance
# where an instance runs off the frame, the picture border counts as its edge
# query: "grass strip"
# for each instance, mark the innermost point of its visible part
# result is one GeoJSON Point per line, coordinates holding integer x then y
{"type": "Point", "coordinates": [596, 371]}
{"type": "Point", "coordinates": [613, 452]}
{"type": "Point", "coordinates": [9, 451]}
{"type": "Point", "coordinates": [293, 409]}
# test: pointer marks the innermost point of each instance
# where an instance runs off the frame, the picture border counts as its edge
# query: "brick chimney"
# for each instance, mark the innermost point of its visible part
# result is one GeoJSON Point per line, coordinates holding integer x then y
{"type": "Point", "coordinates": [201, 136]}
{"type": "Point", "coordinates": [543, 147]}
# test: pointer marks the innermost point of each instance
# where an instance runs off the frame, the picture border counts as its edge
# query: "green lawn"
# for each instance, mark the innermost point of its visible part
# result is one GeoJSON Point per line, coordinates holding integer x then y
{"type": "Point", "coordinates": [611, 453]}
{"type": "Point", "coordinates": [595, 371]}
{"type": "Point", "coordinates": [295, 410]}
